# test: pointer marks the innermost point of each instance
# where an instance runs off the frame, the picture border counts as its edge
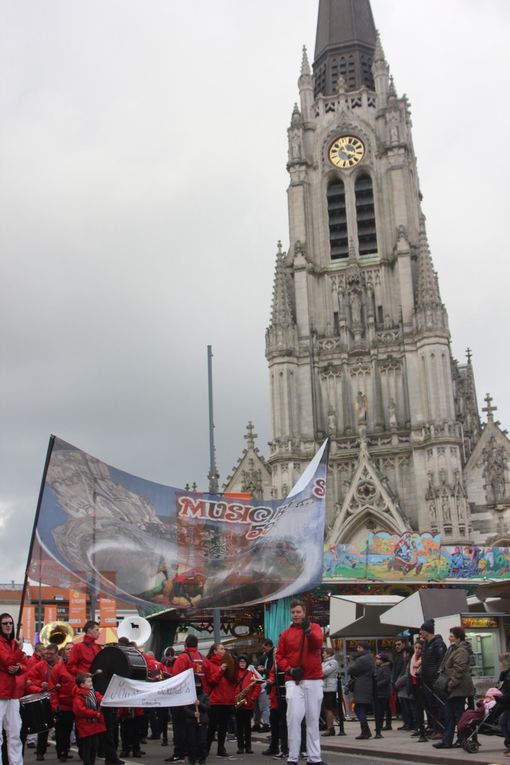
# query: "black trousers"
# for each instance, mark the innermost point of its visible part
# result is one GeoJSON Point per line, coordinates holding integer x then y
{"type": "Point", "coordinates": [243, 723]}
{"type": "Point", "coordinates": [130, 735]}
{"type": "Point", "coordinates": [218, 721]}
{"type": "Point", "coordinates": [163, 715]}
{"type": "Point", "coordinates": [42, 742]}
{"type": "Point", "coordinates": [179, 732]}
{"type": "Point", "coordinates": [419, 700]}
{"type": "Point", "coordinates": [196, 741]}
{"type": "Point", "coordinates": [434, 709]}
{"type": "Point", "coordinates": [109, 738]}
{"type": "Point", "coordinates": [89, 749]}
{"type": "Point", "coordinates": [381, 709]}
{"type": "Point", "coordinates": [63, 727]}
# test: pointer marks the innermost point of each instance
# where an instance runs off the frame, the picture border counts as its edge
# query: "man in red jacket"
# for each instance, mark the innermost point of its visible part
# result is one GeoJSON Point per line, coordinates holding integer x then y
{"type": "Point", "coordinates": [84, 653]}
{"type": "Point", "coordinates": [299, 656]}
{"type": "Point", "coordinates": [82, 656]}
{"type": "Point", "coordinates": [190, 658]}
{"type": "Point", "coordinates": [62, 686]}
{"type": "Point", "coordinates": [38, 681]}
{"type": "Point", "coordinates": [12, 663]}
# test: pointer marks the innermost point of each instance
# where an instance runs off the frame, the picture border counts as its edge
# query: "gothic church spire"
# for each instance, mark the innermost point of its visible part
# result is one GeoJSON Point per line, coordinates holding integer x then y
{"type": "Point", "coordinates": [344, 45]}
{"type": "Point", "coordinates": [427, 294]}
{"type": "Point", "coordinates": [281, 312]}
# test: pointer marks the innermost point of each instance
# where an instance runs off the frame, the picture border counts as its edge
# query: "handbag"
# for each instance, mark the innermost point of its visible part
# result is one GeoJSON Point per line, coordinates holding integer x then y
{"type": "Point", "coordinates": [440, 684]}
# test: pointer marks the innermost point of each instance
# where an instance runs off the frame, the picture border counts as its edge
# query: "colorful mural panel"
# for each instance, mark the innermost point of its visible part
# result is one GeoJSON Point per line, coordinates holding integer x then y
{"type": "Point", "coordinates": [413, 557]}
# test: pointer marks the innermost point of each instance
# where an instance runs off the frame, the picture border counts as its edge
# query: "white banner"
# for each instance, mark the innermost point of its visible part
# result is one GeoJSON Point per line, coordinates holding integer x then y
{"type": "Point", "coordinates": [174, 692]}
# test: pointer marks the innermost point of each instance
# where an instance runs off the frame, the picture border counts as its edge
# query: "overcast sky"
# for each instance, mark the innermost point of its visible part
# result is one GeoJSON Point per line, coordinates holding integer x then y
{"type": "Point", "coordinates": [143, 190]}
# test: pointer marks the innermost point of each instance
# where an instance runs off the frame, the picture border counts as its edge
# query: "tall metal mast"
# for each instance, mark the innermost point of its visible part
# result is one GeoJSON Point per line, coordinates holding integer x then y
{"type": "Point", "coordinates": [213, 473]}
{"type": "Point", "coordinates": [213, 470]}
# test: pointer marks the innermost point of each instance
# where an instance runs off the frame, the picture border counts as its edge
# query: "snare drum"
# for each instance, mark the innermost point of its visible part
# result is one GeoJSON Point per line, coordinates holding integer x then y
{"type": "Point", "coordinates": [36, 712]}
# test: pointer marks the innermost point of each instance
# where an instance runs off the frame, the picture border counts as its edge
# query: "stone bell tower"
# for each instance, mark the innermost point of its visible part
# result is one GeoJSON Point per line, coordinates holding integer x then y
{"type": "Point", "coordinates": [358, 345]}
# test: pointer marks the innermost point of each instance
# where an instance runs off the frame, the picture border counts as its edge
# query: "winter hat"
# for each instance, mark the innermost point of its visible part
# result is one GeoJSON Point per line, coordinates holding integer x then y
{"type": "Point", "coordinates": [493, 692]}
{"type": "Point", "coordinates": [428, 626]}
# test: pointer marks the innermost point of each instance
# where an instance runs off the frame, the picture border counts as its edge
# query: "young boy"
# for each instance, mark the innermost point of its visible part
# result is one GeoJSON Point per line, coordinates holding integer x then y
{"type": "Point", "coordinates": [88, 716]}
{"type": "Point", "coordinates": [196, 719]}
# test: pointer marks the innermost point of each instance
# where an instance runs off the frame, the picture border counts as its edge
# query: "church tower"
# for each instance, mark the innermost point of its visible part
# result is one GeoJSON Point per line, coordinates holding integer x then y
{"type": "Point", "coordinates": [358, 345]}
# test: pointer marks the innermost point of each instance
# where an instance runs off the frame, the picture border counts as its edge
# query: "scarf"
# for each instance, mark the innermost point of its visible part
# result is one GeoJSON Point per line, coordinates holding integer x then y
{"type": "Point", "coordinates": [415, 665]}
{"type": "Point", "coordinates": [91, 701]}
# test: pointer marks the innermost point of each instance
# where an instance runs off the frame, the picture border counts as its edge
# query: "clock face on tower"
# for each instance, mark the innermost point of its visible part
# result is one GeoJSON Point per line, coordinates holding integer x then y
{"type": "Point", "coordinates": [346, 151]}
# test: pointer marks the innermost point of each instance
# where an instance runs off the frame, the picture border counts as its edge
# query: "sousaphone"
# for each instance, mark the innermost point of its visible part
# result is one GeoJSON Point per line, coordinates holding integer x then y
{"type": "Point", "coordinates": [136, 629]}
{"type": "Point", "coordinates": [56, 633]}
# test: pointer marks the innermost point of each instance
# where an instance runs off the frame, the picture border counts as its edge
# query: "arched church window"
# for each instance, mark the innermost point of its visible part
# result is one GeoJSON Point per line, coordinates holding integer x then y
{"type": "Point", "coordinates": [365, 214]}
{"type": "Point", "coordinates": [337, 213]}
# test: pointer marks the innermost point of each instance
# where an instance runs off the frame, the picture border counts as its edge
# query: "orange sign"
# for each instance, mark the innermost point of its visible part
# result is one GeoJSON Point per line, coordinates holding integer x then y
{"type": "Point", "coordinates": [28, 622]}
{"type": "Point", "coordinates": [50, 614]}
{"type": "Point", "coordinates": [107, 612]}
{"type": "Point", "coordinates": [480, 622]}
{"type": "Point", "coordinates": [77, 608]}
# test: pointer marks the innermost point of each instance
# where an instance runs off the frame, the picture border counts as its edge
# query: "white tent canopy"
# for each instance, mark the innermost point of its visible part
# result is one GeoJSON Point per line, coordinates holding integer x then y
{"type": "Point", "coordinates": [358, 616]}
{"type": "Point", "coordinates": [426, 604]}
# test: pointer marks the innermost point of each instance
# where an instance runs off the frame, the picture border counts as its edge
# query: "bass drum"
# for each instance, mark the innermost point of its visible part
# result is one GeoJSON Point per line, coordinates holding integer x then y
{"type": "Point", "coordinates": [36, 713]}
{"type": "Point", "coordinates": [120, 660]}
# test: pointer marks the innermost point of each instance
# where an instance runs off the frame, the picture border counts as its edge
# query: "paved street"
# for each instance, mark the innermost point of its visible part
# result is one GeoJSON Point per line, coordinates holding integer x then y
{"type": "Point", "coordinates": [395, 747]}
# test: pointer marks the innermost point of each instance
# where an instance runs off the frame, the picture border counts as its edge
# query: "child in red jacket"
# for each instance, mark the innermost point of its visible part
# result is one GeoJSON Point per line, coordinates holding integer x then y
{"type": "Point", "coordinates": [247, 691]}
{"type": "Point", "coordinates": [88, 716]}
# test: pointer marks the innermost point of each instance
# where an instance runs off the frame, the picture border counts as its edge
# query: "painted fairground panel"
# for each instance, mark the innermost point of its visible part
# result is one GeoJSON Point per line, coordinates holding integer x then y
{"type": "Point", "coordinates": [345, 562]}
{"type": "Point", "coordinates": [473, 562]}
{"type": "Point", "coordinates": [159, 547]}
{"type": "Point", "coordinates": [403, 556]}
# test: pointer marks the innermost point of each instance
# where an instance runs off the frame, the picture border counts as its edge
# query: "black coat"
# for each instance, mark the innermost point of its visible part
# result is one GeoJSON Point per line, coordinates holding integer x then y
{"type": "Point", "coordinates": [503, 702]}
{"type": "Point", "coordinates": [266, 660]}
{"type": "Point", "coordinates": [383, 680]}
{"type": "Point", "coordinates": [432, 655]}
{"type": "Point", "coordinates": [398, 664]}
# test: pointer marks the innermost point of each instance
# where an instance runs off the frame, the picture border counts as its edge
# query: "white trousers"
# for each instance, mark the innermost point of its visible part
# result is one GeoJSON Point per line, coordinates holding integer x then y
{"type": "Point", "coordinates": [304, 700]}
{"type": "Point", "coordinates": [10, 720]}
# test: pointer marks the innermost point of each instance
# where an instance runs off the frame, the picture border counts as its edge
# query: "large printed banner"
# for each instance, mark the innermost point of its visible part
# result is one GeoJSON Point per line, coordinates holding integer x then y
{"type": "Point", "coordinates": [161, 547]}
{"type": "Point", "coordinates": [175, 692]}
{"type": "Point", "coordinates": [413, 556]}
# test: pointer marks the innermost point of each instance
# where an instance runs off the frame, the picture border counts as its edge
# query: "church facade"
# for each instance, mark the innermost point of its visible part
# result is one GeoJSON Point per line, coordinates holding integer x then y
{"type": "Point", "coordinates": [358, 346]}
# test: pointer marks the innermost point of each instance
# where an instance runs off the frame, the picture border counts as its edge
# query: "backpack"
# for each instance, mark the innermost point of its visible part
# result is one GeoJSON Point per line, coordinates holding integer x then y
{"type": "Point", "coordinates": [198, 666]}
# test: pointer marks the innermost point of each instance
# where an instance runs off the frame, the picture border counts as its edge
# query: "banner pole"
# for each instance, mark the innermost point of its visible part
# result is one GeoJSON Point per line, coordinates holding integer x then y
{"type": "Point", "coordinates": [213, 472]}
{"type": "Point", "coordinates": [34, 528]}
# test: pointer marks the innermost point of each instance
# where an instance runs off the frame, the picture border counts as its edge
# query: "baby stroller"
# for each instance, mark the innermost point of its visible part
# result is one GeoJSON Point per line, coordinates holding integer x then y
{"type": "Point", "coordinates": [472, 720]}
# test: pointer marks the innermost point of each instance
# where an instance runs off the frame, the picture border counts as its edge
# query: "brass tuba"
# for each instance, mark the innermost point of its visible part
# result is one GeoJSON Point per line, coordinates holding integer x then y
{"type": "Point", "coordinates": [58, 633]}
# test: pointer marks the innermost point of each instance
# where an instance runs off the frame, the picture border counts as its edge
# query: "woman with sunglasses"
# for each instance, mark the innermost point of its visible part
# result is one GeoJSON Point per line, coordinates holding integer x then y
{"type": "Point", "coordinates": [12, 663]}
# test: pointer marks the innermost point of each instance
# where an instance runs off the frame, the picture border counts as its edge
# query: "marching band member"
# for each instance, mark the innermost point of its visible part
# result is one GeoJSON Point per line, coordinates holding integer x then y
{"type": "Point", "coordinates": [84, 653]}
{"type": "Point", "coordinates": [61, 696]}
{"type": "Point", "coordinates": [12, 663]}
{"type": "Point", "coordinates": [299, 655]}
{"type": "Point", "coordinates": [88, 716]}
{"type": "Point", "coordinates": [247, 690]}
{"type": "Point", "coordinates": [221, 695]}
{"type": "Point", "coordinates": [38, 681]}
{"type": "Point", "coordinates": [190, 658]}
